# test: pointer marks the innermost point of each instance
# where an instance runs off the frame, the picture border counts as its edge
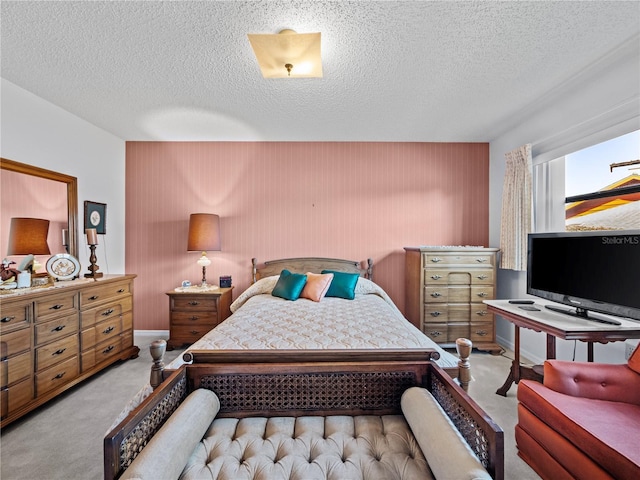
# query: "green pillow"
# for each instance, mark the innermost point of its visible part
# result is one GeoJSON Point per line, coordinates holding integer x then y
{"type": "Point", "coordinates": [343, 285]}
{"type": "Point", "coordinates": [289, 285]}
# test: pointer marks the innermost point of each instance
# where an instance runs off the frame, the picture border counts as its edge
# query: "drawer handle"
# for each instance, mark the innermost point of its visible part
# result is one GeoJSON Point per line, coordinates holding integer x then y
{"type": "Point", "coordinates": [482, 277]}
{"type": "Point", "coordinates": [106, 313]}
{"type": "Point", "coordinates": [58, 352]}
{"type": "Point", "coordinates": [194, 302]}
{"type": "Point", "coordinates": [436, 277]}
{"type": "Point", "coordinates": [481, 333]}
{"type": "Point", "coordinates": [56, 307]}
{"type": "Point", "coordinates": [483, 294]}
{"type": "Point", "coordinates": [93, 297]}
{"type": "Point", "coordinates": [436, 294]}
{"type": "Point", "coordinates": [121, 290]}
{"type": "Point", "coordinates": [435, 314]}
{"type": "Point", "coordinates": [108, 330]}
{"type": "Point", "coordinates": [482, 313]}
{"type": "Point", "coordinates": [59, 328]}
{"type": "Point", "coordinates": [7, 319]}
{"type": "Point", "coordinates": [436, 259]}
{"type": "Point", "coordinates": [435, 333]}
{"type": "Point", "coordinates": [194, 332]}
{"type": "Point", "coordinates": [59, 376]}
{"type": "Point", "coordinates": [194, 318]}
{"type": "Point", "coordinates": [481, 260]}
{"type": "Point", "coordinates": [108, 349]}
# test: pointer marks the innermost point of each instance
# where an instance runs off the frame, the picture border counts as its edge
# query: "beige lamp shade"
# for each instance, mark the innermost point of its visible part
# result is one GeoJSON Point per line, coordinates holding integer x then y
{"type": "Point", "coordinates": [288, 54]}
{"type": "Point", "coordinates": [204, 232]}
{"type": "Point", "coordinates": [28, 236]}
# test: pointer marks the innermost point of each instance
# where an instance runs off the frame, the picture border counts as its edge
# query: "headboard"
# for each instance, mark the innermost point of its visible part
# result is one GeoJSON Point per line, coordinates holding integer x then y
{"type": "Point", "coordinates": [310, 264]}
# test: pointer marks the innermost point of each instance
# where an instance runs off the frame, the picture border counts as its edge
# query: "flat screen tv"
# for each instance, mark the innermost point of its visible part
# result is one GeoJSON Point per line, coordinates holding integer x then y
{"type": "Point", "coordinates": [595, 271]}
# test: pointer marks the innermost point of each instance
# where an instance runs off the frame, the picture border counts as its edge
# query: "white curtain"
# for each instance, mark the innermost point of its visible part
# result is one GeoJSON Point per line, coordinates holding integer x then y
{"type": "Point", "coordinates": [516, 209]}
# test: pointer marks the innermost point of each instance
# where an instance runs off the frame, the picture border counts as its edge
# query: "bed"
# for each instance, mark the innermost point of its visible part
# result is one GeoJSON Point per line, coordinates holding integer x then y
{"type": "Point", "coordinates": [369, 321]}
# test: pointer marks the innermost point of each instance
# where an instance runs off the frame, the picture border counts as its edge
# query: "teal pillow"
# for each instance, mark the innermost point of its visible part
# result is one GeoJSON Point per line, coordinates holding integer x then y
{"type": "Point", "coordinates": [289, 285]}
{"type": "Point", "coordinates": [343, 285]}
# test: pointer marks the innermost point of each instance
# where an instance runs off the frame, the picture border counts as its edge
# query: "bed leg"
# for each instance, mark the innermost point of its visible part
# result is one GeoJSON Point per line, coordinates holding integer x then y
{"type": "Point", "coordinates": [463, 347]}
{"type": "Point", "coordinates": [157, 349]}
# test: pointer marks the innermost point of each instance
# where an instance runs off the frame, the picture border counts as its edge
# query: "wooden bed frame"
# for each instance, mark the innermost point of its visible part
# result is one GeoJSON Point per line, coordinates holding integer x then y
{"type": "Point", "coordinates": [267, 390]}
{"type": "Point", "coordinates": [462, 373]}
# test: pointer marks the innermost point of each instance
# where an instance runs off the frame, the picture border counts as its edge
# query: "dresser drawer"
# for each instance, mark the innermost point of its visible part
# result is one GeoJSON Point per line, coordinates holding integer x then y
{"type": "Point", "coordinates": [478, 294]}
{"type": "Point", "coordinates": [56, 352]}
{"type": "Point", "coordinates": [57, 375]}
{"type": "Point", "coordinates": [108, 349]}
{"type": "Point", "coordinates": [482, 277]}
{"type": "Point", "coordinates": [14, 315]}
{"type": "Point", "coordinates": [112, 310]}
{"type": "Point", "coordinates": [100, 332]}
{"type": "Point", "coordinates": [61, 304]}
{"type": "Point", "coordinates": [436, 332]}
{"type": "Point", "coordinates": [480, 313]}
{"type": "Point", "coordinates": [58, 328]}
{"type": "Point", "coordinates": [104, 293]}
{"type": "Point", "coordinates": [482, 332]}
{"type": "Point", "coordinates": [15, 368]}
{"type": "Point", "coordinates": [16, 396]}
{"type": "Point", "coordinates": [436, 313]}
{"type": "Point", "coordinates": [467, 259]}
{"type": "Point", "coordinates": [194, 303]}
{"type": "Point", "coordinates": [456, 331]}
{"type": "Point", "coordinates": [14, 342]}
{"type": "Point", "coordinates": [436, 294]}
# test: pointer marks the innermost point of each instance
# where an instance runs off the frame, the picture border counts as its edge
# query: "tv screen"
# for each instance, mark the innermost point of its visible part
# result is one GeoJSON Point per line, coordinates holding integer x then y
{"type": "Point", "coordinates": [598, 271]}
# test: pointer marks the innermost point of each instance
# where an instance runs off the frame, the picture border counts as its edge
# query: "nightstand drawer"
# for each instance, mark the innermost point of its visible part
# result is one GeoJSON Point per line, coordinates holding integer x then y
{"type": "Point", "coordinates": [194, 318]}
{"type": "Point", "coordinates": [188, 333]}
{"type": "Point", "coordinates": [194, 303]}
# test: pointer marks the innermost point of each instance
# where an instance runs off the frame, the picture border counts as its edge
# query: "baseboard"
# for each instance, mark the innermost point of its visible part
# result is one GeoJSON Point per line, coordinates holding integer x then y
{"type": "Point", "coordinates": [154, 334]}
{"type": "Point", "coordinates": [524, 353]}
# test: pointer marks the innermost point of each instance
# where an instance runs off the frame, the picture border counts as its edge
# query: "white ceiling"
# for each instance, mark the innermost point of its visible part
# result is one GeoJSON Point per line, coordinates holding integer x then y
{"type": "Point", "coordinates": [393, 71]}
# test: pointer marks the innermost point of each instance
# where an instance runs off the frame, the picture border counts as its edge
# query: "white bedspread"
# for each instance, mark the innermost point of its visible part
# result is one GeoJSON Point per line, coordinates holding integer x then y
{"type": "Point", "coordinates": [262, 321]}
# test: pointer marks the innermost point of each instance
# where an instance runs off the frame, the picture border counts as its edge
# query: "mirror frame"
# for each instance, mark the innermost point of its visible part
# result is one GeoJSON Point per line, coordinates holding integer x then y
{"type": "Point", "coordinates": [72, 194]}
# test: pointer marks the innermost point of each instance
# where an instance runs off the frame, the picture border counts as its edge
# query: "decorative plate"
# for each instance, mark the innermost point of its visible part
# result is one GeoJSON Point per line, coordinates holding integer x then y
{"type": "Point", "coordinates": [63, 266]}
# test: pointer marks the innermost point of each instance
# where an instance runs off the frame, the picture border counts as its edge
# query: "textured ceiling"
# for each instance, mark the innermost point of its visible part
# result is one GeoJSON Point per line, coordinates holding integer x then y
{"type": "Point", "coordinates": [393, 71]}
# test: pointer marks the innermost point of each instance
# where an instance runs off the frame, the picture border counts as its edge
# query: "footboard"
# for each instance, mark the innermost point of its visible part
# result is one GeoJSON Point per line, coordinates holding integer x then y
{"type": "Point", "coordinates": [294, 388]}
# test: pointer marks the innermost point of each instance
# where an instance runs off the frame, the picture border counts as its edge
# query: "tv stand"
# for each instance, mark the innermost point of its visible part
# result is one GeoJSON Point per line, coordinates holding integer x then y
{"type": "Point", "coordinates": [581, 313]}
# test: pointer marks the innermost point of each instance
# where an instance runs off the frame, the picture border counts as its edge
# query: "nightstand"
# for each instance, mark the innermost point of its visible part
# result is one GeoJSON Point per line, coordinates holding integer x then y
{"type": "Point", "coordinates": [192, 314]}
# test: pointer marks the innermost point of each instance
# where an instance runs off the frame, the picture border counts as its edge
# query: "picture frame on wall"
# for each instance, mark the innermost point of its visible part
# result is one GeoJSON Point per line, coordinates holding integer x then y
{"type": "Point", "coordinates": [95, 216]}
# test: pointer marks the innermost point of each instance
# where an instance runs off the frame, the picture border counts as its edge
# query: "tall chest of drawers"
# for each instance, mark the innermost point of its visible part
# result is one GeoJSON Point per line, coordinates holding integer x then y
{"type": "Point", "coordinates": [444, 292]}
{"type": "Point", "coordinates": [53, 337]}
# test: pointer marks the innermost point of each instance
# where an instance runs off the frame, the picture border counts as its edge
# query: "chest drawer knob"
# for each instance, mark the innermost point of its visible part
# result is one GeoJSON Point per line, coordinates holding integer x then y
{"type": "Point", "coordinates": [106, 313]}
{"type": "Point", "coordinates": [481, 260]}
{"type": "Point", "coordinates": [483, 294]}
{"type": "Point", "coordinates": [436, 277]}
{"type": "Point", "coordinates": [56, 307]}
{"type": "Point", "coordinates": [482, 313]}
{"type": "Point", "coordinates": [194, 318]}
{"type": "Point", "coordinates": [59, 352]}
{"type": "Point", "coordinates": [121, 290]}
{"type": "Point", "coordinates": [436, 294]}
{"type": "Point", "coordinates": [482, 277]}
{"type": "Point", "coordinates": [435, 333]}
{"type": "Point", "coordinates": [481, 333]}
{"type": "Point", "coordinates": [435, 314]}
{"type": "Point", "coordinates": [7, 319]}
{"type": "Point", "coordinates": [194, 332]}
{"type": "Point", "coordinates": [59, 328]}
{"type": "Point", "coordinates": [194, 303]}
{"type": "Point", "coordinates": [436, 259]}
{"type": "Point", "coordinates": [93, 297]}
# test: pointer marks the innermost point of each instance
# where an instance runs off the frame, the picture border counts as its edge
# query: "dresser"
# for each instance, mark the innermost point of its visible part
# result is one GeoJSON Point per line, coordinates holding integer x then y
{"type": "Point", "coordinates": [192, 314]}
{"type": "Point", "coordinates": [54, 337]}
{"type": "Point", "coordinates": [444, 292]}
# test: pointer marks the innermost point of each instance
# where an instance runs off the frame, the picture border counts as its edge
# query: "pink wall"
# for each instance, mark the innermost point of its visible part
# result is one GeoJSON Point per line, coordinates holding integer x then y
{"type": "Point", "coordinates": [282, 199]}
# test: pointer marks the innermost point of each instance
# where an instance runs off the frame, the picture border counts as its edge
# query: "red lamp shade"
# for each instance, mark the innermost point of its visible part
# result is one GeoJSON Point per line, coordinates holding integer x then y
{"type": "Point", "coordinates": [204, 232]}
{"type": "Point", "coordinates": [28, 236]}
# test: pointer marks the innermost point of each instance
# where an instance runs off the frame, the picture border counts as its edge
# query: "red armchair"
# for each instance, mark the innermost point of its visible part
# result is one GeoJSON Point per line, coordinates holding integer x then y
{"type": "Point", "coordinates": [583, 422]}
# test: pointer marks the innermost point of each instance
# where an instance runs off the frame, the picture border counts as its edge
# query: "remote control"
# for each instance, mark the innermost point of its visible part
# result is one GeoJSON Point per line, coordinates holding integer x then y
{"type": "Point", "coordinates": [529, 308]}
{"type": "Point", "coordinates": [521, 302]}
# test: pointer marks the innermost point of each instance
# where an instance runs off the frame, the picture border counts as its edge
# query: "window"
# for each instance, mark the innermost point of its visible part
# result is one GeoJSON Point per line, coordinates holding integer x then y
{"type": "Point", "coordinates": [602, 185]}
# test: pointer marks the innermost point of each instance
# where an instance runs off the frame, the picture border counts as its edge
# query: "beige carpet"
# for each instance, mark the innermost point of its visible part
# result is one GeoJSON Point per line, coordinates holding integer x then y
{"type": "Point", "coordinates": [63, 439]}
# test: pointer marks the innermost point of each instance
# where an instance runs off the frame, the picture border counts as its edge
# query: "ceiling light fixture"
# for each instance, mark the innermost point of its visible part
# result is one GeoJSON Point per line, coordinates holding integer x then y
{"type": "Point", "coordinates": [288, 54]}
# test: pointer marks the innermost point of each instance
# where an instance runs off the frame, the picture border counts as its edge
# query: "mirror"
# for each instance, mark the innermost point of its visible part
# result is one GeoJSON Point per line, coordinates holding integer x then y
{"type": "Point", "coordinates": [34, 197]}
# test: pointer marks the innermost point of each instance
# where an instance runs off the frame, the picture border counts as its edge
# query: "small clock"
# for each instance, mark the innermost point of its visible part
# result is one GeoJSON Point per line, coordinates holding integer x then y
{"type": "Point", "coordinates": [63, 267]}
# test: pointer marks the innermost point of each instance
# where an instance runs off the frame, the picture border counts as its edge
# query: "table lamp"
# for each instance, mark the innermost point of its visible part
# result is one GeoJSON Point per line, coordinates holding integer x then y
{"type": "Point", "coordinates": [204, 235]}
{"type": "Point", "coordinates": [28, 236]}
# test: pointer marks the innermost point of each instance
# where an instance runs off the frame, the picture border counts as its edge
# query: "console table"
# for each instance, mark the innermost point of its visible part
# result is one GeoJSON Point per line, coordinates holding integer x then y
{"type": "Point", "coordinates": [556, 325]}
